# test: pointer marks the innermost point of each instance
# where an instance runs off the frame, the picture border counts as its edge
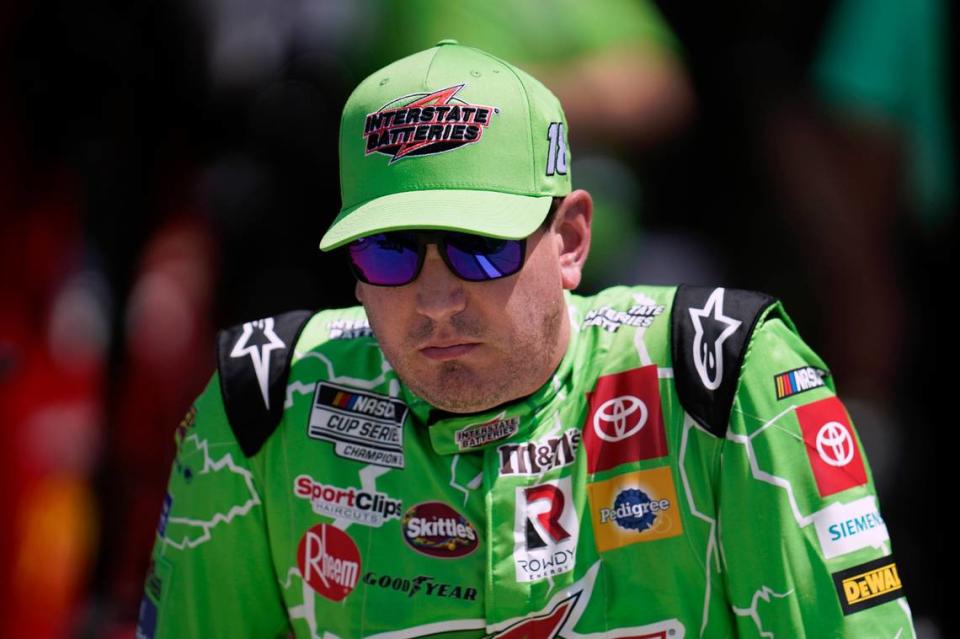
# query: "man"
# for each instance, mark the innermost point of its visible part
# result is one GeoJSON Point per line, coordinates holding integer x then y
{"type": "Point", "coordinates": [478, 452]}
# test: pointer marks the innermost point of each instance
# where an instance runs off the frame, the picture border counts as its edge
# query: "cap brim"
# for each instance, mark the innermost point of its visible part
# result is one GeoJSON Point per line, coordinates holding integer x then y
{"type": "Point", "coordinates": [503, 215]}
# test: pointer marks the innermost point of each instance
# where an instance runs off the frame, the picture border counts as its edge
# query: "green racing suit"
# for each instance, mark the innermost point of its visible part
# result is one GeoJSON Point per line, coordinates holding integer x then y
{"type": "Point", "coordinates": [688, 471]}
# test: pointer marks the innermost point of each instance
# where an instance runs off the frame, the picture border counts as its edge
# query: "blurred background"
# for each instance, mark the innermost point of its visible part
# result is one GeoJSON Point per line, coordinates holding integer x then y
{"type": "Point", "coordinates": [168, 167]}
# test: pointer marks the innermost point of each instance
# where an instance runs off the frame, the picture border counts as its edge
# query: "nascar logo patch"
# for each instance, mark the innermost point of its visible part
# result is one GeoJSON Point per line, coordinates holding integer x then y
{"type": "Point", "coordinates": [798, 381]}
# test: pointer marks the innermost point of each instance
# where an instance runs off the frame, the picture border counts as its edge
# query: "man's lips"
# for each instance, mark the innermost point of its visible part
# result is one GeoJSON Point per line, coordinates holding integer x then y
{"type": "Point", "coordinates": [445, 351]}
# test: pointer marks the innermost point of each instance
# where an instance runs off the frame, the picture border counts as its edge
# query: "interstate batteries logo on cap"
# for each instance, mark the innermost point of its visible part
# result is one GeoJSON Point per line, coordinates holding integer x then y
{"type": "Point", "coordinates": [364, 427]}
{"type": "Point", "coordinates": [425, 123]}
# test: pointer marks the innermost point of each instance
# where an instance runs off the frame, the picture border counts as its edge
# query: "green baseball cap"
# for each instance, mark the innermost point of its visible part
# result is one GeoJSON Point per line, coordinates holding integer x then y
{"type": "Point", "coordinates": [449, 138]}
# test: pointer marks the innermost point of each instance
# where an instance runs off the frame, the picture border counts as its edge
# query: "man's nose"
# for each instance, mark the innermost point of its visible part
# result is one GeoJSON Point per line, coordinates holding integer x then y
{"type": "Point", "coordinates": [440, 293]}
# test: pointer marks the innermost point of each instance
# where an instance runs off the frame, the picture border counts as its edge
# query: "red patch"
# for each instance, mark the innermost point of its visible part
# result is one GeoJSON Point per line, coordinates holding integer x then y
{"type": "Point", "coordinates": [624, 423]}
{"type": "Point", "coordinates": [329, 561]}
{"type": "Point", "coordinates": [831, 446]}
{"type": "Point", "coordinates": [545, 626]}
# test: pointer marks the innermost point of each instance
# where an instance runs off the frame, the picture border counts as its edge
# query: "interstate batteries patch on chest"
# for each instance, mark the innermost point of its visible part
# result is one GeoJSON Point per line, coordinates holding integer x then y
{"type": "Point", "coordinates": [364, 427]}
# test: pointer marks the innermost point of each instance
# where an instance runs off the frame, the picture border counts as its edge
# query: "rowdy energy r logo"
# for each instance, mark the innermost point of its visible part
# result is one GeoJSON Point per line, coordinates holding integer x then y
{"type": "Point", "coordinates": [425, 124]}
{"type": "Point", "coordinates": [546, 530]}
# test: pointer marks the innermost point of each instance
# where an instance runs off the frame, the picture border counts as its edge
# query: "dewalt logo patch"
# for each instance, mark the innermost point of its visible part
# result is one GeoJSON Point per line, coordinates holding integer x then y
{"type": "Point", "coordinates": [868, 585]}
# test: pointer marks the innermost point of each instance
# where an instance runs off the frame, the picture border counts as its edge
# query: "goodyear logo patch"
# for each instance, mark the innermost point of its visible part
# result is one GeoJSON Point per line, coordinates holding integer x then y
{"type": "Point", "coordinates": [364, 427]}
{"type": "Point", "coordinates": [868, 585]}
{"type": "Point", "coordinates": [798, 381]}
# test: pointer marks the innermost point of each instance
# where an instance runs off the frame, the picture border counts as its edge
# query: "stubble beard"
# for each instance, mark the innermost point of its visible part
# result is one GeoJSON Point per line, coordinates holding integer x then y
{"type": "Point", "coordinates": [530, 361]}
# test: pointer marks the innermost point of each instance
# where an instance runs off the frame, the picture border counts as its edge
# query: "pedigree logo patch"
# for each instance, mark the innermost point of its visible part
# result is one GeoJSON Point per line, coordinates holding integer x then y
{"type": "Point", "coordinates": [634, 507]}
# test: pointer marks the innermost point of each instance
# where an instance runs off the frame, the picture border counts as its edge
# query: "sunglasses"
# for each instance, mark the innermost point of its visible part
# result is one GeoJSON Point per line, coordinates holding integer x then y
{"type": "Point", "coordinates": [395, 258]}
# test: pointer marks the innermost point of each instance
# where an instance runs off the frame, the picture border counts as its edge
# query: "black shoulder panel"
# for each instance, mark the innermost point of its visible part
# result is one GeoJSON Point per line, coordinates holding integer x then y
{"type": "Point", "coordinates": [254, 361]}
{"type": "Point", "coordinates": [711, 328]}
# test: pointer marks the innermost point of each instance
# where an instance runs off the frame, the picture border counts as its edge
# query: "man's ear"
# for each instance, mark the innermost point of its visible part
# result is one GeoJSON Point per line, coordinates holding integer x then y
{"type": "Point", "coordinates": [358, 292]}
{"type": "Point", "coordinates": [572, 226]}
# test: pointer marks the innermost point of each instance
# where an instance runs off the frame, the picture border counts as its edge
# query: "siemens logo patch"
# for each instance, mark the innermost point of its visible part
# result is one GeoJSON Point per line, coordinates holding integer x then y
{"type": "Point", "coordinates": [364, 427]}
{"type": "Point", "coordinates": [845, 528]}
{"type": "Point", "coordinates": [868, 585]}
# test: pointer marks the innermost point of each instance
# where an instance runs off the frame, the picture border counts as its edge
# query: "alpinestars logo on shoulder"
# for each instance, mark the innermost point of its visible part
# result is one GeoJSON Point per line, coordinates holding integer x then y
{"type": "Point", "coordinates": [425, 123]}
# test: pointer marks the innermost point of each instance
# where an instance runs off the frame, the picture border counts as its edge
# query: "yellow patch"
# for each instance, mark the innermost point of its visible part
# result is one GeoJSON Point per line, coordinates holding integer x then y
{"type": "Point", "coordinates": [868, 585]}
{"type": "Point", "coordinates": [634, 507]}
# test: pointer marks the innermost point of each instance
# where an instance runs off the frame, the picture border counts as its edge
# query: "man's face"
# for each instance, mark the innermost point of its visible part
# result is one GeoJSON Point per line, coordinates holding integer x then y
{"type": "Point", "coordinates": [469, 346]}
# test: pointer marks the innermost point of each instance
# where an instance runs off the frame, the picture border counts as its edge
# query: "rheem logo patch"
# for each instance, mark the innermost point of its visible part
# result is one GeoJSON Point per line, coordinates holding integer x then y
{"type": "Point", "coordinates": [546, 530]}
{"type": "Point", "coordinates": [329, 561]}
{"type": "Point", "coordinates": [831, 446]}
{"type": "Point", "coordinates": [624, 423]}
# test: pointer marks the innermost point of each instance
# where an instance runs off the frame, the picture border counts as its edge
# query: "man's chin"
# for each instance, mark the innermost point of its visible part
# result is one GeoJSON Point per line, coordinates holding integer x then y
{"type": "Point", "coordinates": [457, 389]}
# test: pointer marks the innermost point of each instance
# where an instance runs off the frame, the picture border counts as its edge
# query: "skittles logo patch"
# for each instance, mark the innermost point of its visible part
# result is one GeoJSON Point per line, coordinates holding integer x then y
{"type": "Point", "coordinates": [435, 529]}
{"type": "Point", "coordinates": [425, 124]}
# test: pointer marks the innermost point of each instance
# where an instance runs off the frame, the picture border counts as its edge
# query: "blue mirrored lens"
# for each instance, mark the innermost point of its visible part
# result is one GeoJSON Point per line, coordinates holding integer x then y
{"type": "Point", "coordinates": [477, 258]}
{"type": "Point", "coordinates": [386, 259]}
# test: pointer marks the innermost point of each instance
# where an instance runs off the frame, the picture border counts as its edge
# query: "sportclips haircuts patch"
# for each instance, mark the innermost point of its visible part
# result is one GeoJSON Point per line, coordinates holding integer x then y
{"type": "Point", "coordinates": [425, 124]}
{"type": "Point", "coordinates": [364, 427]}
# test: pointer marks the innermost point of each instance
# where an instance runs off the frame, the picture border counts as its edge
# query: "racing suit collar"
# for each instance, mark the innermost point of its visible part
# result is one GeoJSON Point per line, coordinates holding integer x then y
{"type": "Point", "coordinates": [452, 433]}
